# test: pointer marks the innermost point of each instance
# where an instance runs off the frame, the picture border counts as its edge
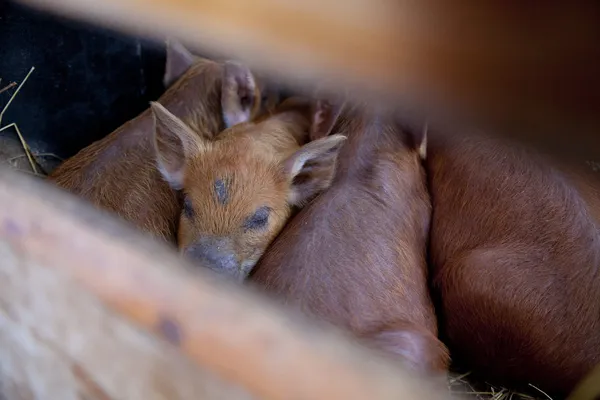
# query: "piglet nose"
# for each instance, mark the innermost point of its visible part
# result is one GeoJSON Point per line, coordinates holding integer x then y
{"type": "Point", "coordinates": [216, 254]}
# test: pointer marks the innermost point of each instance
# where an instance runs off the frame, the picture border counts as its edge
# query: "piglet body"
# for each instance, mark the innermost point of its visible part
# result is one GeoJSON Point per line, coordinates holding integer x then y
{"type": "Point", "coordinates": [515, 251]}
{"type": "Point", "coordinates": [355, 256]}
{"type": "Point", "coordinates": [119, 173]}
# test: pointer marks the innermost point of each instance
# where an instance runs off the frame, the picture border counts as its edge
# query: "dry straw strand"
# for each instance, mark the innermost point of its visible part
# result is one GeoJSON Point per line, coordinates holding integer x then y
{"type": "Point", "coordinates": [14, 125]}
{"type": "Point", "coordinates": [9, 86]}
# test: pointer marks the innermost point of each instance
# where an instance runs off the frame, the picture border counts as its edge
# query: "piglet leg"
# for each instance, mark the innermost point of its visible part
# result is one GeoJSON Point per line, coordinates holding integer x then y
{"type": "Point", "coordinates": [415, 347]}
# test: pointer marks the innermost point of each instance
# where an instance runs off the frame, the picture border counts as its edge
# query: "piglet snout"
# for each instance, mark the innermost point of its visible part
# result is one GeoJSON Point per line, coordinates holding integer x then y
{"type": "Point", "coordinates": [216, 254]}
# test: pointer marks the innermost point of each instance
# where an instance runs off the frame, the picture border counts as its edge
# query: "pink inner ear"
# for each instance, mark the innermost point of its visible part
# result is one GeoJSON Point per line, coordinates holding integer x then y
{"type": "Point", "coordinates": [245, 91]}
{"type": "Point", "coordinates": [324, 116]}
{"type": "Point", "coordinates": [320, 115]}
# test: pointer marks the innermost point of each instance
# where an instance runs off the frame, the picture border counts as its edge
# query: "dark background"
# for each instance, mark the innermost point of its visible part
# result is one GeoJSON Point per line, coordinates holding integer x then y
{"type": "Point", "coordinates": [87, 81]}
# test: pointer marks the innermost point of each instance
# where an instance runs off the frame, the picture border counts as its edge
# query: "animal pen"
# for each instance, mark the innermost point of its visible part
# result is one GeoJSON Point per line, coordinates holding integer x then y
{"type": "Point", "coordinates": [92, 310]}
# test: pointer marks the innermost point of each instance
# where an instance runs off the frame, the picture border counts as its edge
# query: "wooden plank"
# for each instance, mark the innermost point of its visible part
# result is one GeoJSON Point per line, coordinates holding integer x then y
{"type": "Point", "coordinates": [76, 282]}
{"type": "Point", "coordinates": [589, 387]}
{"type": "Point", "coordinates": [58, 341]}
{"type": "Point", "coordinates": [528, 68]}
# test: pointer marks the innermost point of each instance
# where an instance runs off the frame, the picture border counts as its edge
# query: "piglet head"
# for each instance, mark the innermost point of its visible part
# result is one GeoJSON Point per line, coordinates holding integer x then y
{"type": "Point", "coordinates": [240, 188]}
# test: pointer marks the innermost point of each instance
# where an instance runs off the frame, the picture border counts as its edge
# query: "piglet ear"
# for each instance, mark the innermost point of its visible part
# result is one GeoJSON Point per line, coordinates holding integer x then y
{"type": "Point", "coordinates": [179, 59]}
{"type": "Point", "coordinates": [239, 94]}
{"type": "Point", "coordinates": [174, 142]}
{"type": "Point", "coordinates": [324, 116]}
{"type": "Point", "coordinates": [311, 169]}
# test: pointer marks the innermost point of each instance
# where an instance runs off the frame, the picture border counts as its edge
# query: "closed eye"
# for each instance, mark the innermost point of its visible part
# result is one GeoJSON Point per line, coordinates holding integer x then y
{"type": "Point", "coordinates": [259, 219]}
{"type": "Point", "coordinates": [188, 209]}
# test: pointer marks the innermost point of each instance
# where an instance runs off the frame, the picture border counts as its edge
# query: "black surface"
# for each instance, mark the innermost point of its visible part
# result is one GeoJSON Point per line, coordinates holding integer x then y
{"type": "Point", "coordinates": [87, 81]}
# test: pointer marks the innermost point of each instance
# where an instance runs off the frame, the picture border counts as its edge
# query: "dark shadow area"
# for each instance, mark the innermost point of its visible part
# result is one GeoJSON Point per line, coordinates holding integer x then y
{"type": "Point", "coordinates": [87, 81]}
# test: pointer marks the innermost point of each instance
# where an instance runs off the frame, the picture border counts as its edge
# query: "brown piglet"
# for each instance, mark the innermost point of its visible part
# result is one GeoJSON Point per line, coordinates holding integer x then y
{"type": "Point", "coordinates": [355, 257]}
{"type": "Point", "coordinates": [119, 173]}
{"type": "Point", "coordinates": [240, 188]}
{"type": "Point", "coordinates": [515, 258]}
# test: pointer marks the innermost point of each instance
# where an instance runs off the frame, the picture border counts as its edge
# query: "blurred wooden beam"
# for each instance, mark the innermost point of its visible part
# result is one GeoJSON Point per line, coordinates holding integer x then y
{"type": "Point", "coordinates": [60, 256]}
{"type": "Point", "coordinates": [524, 67]}
{"type": "Point", "coordinates": [589, 387]}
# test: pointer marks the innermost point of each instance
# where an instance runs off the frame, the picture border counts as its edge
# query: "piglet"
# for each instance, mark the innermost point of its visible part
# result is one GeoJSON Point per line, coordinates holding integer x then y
{"type": "Point", "coordinates": [515, 253]}
{"type": "Point", "coordinates": [240, 189]}
{"type": "Point", "coordinates": [356, 256]}
{"type": "Point", "coordinates": [119, 173]}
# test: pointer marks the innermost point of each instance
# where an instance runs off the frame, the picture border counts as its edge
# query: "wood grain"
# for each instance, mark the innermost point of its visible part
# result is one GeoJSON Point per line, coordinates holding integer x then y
{"type": "Point", "coordinates": [85, 304]}
{"type": "Point", "coordinates": [526, 69]}
{"type": "Point", "coordinates": [58, 341]}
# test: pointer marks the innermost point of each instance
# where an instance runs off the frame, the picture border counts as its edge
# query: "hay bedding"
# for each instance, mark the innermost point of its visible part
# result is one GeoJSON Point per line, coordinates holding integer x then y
{"type": "Point", "coordinates": [15, 151]}
{"type": "Point", "coordinates": [462, 386]}
{"type": "Point", "coordinates": [17, 154]}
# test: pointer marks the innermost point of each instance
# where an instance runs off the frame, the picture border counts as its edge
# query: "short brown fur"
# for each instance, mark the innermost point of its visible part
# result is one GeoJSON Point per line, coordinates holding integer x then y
{"type": "Point", "coordinates": [119, 174]}
{"type": "Point", "coordinates": [515, 252]}
{"type": "Point", "coordinates": [260, 148]}
{"type": "Point", "coordinates": [355, 256]}
{"type": "Point", "coordinates": [253, 162]}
